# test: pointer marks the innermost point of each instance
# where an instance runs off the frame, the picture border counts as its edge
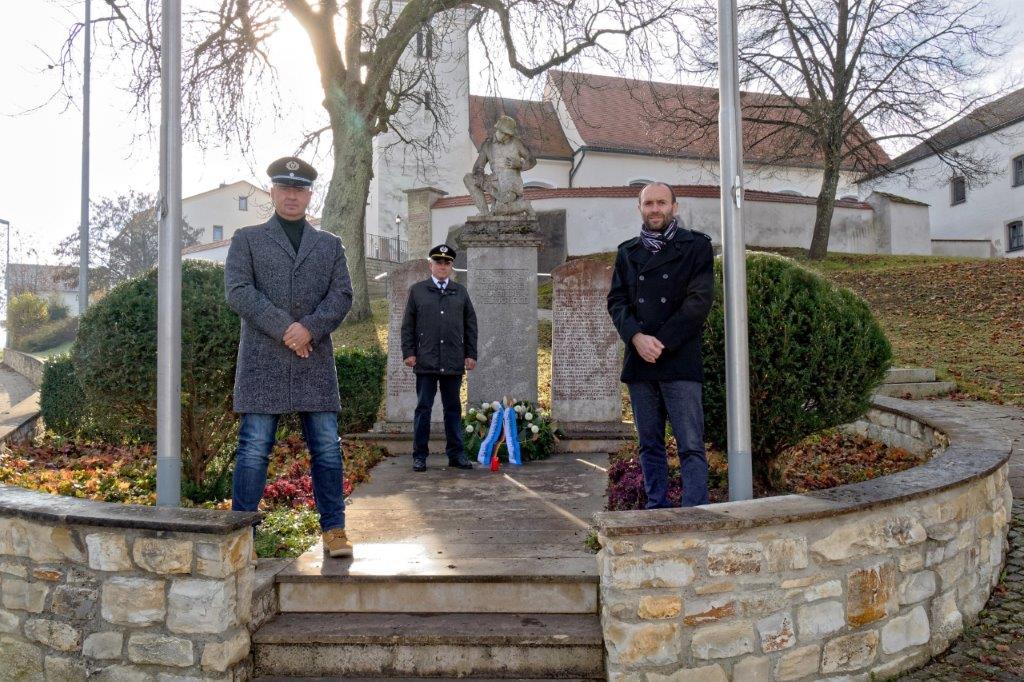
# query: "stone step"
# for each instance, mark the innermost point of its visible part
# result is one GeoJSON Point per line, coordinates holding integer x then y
{"type": "Point", "coordinates": [916, 390]}
{"type": "Point", "coordinates": [909, 375]}
{"type": "Point", "coordinates": [429, 679]}
{"type": "Point", "coordinates": [401, 578]}
{"type": "Point", "coordinates": [392, 645]}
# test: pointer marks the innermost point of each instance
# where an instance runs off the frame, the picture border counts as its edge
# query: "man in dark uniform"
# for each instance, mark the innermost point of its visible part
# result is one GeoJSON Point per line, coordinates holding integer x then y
{"type": "Point", "coordinates": [290, 285]}
{"type": "Point", "coordinates": [439, 343]}
{"type": "Point", "coordinates": [661, 293]}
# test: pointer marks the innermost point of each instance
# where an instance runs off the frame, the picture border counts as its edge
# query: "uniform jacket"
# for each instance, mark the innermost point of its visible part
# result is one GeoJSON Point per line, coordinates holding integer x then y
{"type": "Point", "coordinates": [667, 295]}
{"type": "Point", "coordinates": [439, 328]}
{"type": "Point", "coordinates": [270, 286]}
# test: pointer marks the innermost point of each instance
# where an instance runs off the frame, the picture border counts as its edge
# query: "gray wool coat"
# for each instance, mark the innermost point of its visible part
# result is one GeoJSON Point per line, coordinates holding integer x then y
{"type": "Point", "coordinates": [270, 286]}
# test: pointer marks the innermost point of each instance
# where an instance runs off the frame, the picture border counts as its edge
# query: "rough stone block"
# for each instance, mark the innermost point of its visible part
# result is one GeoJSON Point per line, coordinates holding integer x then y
{"type": "Point", "coordinates": [49, 575]}
{"type": "Point", "coordinates": [706, 673]}
{"type": "Point", "coordinates": [163, 556]}
{"type": "Point", "coordinates": [704, 611]}
{"type": "Point", "coordinates": [657, 608]}
{"type": "Point", "coordinates": [777, 632]}
{"type": "Point", "coordinates": [121, 673]}
{"type": "Point", "coordinates": [724, 641]}
{"type": "Point", "coordinates": [673, 544]}
{"type": "Point", "coordinates": [761, 603]}
{"type": "Point", "coordinates": [54, 634]}
{"type": "Point", "coordinates": [245, 580]}
{"type": "Point", "coordinates": [735, 558]}
{"type": "Point", "coordinates": [904, 631]}
{"type": "Point", "coordinates": [16, 570]}
{"type": "Point", "coordinates": [798, 663]}
{"type": "Point", "coordinates": [917, 587]}
{"type": "Point", "coordinates": [871, 594]}
{"type": "Point", "coordinates": [950, 570]}
{"type": "Point", "coordinates": [849, 652]}
{"type": "Point", "coordinates": [820, 619]}
{"type": "Point", "coordinates": [714, 588]}
{"type": "Point", "coordinates": [221, 559]}
{"type": "Point", "coordinates": [21, 595]}
{"type": "Point", "coordinates": [633, 572]}
{"type": "Point", "coordinates": [108, 552]}
{"type": "Point", "coordinates": [947, 621]}
{"type": "Point", "coordinates": [752, 669]}
{"type": "Point", "coordinates": [201, 606]}
{"type": "Point", "coordinates": [59, 669]}
{"type": "Point", "coordinates": [157, 649]}
{"type": "Point", "coordinates": [856, 539]}
{"type": "Point", "coordinates": [75, 603]}
{"type": "Point", "coordinates": [911, 561]}
{"type": "Point", "coordinates": [103, 645]}
{"type": "Point", "coordinates": [219, 656]}
{"type": "Point", "coordinates": [787, 554]}
{"type": "Point", "coordinates": [10, 622]}
{"type": "Point", "coordinates": [653, 644]}
{"type": "Point", "coordinates": [617, 546]}
{"type": "Point", "coordinates": [825, 590]}
{"type": "Point", "coordinates": [20, 660]}
{"type": "Point", "coordinates": [133, 601]}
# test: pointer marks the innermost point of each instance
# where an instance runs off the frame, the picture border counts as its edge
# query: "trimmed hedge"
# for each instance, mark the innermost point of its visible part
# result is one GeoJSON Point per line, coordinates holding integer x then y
{"type": "Point", "coordinates": [361, 385]}
{"type": "Point", "coordinates": [26, 313]}
{"type": "Point", "coordinates": [816, 355]}
{"type": "Point", "coordinates": [61, 401]}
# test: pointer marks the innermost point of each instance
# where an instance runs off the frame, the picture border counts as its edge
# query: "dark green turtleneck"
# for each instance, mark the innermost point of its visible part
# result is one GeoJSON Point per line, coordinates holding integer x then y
{"type": "Point", "coordinates": [292, 228]}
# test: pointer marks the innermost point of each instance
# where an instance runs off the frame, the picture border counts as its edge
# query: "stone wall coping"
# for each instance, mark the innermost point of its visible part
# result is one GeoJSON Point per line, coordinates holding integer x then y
{"type": "Point", "coordinates": [57, 509]}
{"type": "Point", "coordinates": [974, 451]}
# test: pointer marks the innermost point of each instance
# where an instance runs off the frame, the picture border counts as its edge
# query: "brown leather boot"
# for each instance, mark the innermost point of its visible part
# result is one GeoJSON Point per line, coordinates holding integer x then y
{"type": "Point", "coordinates": [336, 543]}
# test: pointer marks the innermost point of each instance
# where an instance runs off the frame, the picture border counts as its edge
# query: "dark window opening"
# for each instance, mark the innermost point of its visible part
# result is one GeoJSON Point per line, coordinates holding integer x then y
{"type": "Point", "coordinates": [958, 191]}
{"type": "Point", "coordinates": [1015, 236]}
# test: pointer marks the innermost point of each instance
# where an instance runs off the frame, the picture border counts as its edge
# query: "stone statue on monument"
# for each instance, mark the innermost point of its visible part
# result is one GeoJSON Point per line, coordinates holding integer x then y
{"type": "Point", "coordinates": [508, 157]}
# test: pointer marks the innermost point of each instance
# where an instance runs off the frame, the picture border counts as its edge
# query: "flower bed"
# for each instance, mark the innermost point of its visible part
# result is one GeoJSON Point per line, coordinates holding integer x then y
{"type": "Point", "coordinates": [822, 461]}
{"type": "Point", "coordinates": [127, 474]}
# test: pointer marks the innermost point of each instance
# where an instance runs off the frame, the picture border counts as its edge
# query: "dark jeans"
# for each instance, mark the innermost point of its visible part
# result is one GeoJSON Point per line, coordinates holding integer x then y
{"type": "Point", "coordinates": [255, 441]}
{"type": "Point", "coordinates": [680, 402]}
{"type": "Point", "coordinates": [426, 390]}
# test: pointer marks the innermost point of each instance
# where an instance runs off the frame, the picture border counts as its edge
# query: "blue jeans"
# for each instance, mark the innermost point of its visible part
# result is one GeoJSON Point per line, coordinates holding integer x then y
{"type": "Point", "coordinates": [451, 404]}
{"type": "Point", "coordinates": [255, 441]}
{"type": "Point", "coordinates": [680, 402]}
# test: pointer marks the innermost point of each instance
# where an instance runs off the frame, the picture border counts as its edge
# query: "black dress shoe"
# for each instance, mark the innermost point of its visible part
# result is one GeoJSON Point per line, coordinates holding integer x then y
{"type": "Point", "coordinates": [460, 462]}
{"type": "Point", "coordinates": [419, 463]}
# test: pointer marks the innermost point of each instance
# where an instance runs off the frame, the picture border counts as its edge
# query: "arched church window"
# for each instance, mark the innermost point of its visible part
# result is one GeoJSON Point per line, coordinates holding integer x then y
{"type": "Point", "coordinates": [640, 182]}
{"type": "Point", "coordinates": [537, 184]}
{"type": "Point", "coordinates": [790, 192]}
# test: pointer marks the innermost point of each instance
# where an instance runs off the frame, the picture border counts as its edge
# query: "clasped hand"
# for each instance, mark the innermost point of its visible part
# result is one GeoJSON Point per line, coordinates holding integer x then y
{"type": "Point", "coordinates": [649, 347]}
{"type": "Point", "coordinates": [299, 340]}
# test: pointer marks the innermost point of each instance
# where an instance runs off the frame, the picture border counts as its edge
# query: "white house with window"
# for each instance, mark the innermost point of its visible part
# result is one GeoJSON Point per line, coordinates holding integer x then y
{"type": "Point", "coordinates": [219, 212]}
{"type": "Point", "coordinates": [968, 217]}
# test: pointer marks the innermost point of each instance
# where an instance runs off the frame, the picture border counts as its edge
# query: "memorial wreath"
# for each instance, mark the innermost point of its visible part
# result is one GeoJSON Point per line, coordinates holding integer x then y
{"type": "Point", "coordinates": [487, 430]}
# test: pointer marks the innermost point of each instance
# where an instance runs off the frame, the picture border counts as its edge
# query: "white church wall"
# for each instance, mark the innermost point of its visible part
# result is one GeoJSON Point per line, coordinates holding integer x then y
{"type": "Point", "coordinates": [599, 224]}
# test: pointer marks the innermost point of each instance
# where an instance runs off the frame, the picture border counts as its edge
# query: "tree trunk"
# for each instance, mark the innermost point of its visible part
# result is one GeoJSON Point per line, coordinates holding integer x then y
{"type": "Point", "coordinates": [345, 205]}
{"type": "Point", "coordinates": [826, 206]}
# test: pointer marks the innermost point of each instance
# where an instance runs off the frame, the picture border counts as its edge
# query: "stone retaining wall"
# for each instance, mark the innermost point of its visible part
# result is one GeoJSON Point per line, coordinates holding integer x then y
{"type": "Point", "coordinates": [24, 364]}
{"type": "Point", "coordinates": [122, 592]}
{"type": "Point", "coordinates": [855, 583]}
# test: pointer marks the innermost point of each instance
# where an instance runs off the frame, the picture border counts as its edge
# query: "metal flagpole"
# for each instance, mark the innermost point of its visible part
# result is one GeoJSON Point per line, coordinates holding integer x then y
{"type": "Point", "coordinates": [168, 372]}
{"type": "Point", "coordinates": [737, 359]}
{"type": "Point", "coordinates": [83, 228]}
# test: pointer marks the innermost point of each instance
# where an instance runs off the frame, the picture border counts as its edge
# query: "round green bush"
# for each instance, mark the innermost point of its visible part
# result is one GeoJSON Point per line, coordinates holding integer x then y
{"type": "Point", "coordinates": [115, 359]}
{"type": "Point", "coordinates": [816, 355]}
{"type": "Point", "coordinates": [61, 401]}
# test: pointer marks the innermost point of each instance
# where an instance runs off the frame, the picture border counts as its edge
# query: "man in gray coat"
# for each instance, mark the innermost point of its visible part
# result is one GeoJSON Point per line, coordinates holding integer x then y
{"type": "Point", "coordinates": [290, 285]}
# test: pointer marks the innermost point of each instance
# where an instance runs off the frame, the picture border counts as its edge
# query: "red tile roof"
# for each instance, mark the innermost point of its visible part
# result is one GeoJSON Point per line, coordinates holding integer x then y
{"type": "Point", "coordinates": [627, 192]}
{"type": "Point", "coordinates": [620, 114]}
{"type": "Point", "coordinates": [538, 124]}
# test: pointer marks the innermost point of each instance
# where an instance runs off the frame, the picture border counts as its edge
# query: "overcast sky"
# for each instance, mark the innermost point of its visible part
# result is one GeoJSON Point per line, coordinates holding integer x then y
{"type": "Point", "coordinates": [40, 136]}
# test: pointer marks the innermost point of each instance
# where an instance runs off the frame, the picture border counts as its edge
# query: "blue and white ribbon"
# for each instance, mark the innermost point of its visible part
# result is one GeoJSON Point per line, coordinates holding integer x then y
{"type": "Point", "coordinates": [493, 434]}
{"type": "Point", "coordinates": [512, 437]}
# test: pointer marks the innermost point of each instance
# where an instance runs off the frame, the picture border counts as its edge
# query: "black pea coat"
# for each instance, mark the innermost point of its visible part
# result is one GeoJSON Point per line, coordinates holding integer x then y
{"type": "Point", "coordinates": [271, 286]}
{"type": "Point", "coordinates": [439, 328]}
{"type": "Point", "coordinates": [667, 295]}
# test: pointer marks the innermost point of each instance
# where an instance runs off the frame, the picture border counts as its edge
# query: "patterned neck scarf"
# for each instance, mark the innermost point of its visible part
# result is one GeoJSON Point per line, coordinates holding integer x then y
{"type": "Point", "coordinates": [653, 241]}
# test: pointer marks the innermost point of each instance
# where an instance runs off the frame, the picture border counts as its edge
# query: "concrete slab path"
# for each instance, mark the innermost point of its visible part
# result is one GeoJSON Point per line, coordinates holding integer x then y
{"type": "Point", "coordinates": [13, 389]}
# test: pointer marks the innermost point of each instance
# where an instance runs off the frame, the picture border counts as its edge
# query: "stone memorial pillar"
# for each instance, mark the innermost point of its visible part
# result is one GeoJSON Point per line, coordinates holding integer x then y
{"type": "Point", "coordinates": [501, 257]}
{"type": "Point", "coordinates": [401, 382]}
{"type": "Point", "coordinates": [418, 224]}
{"type": "Point", "coordinates": [585, 353]}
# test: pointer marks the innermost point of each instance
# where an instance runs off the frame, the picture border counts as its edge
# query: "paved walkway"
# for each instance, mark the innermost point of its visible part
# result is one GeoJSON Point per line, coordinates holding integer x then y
{"type": "Point", "coordinates": [520, 521]}
{"type": "Point", "coordinates": [993, 649]}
